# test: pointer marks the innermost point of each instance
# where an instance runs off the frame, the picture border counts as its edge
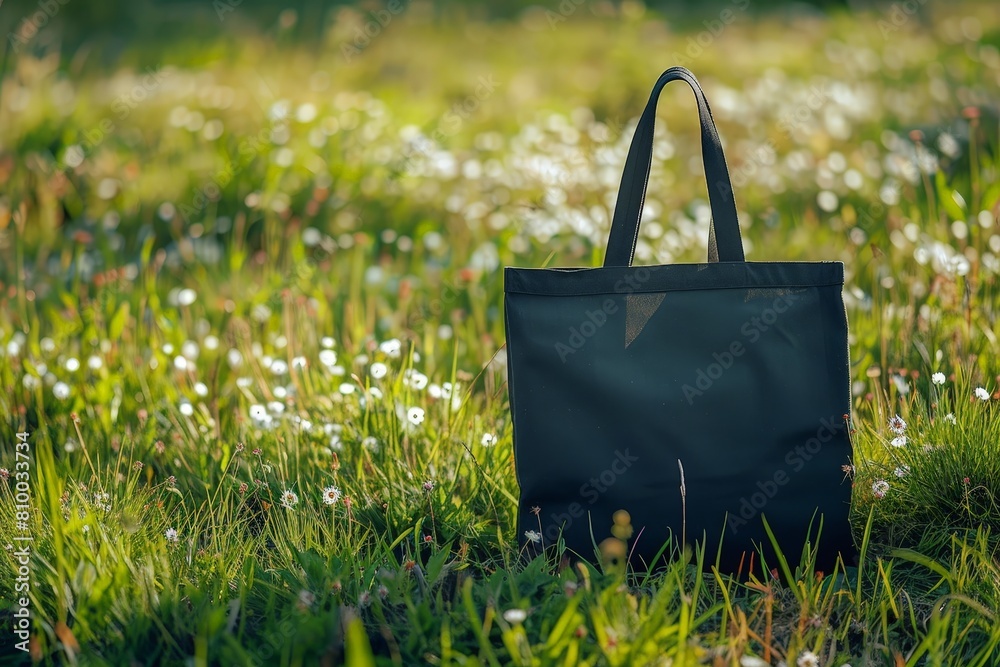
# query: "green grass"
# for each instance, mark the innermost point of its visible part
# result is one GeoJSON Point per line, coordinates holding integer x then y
{"type": "Point", "coordinates": [255, 202]}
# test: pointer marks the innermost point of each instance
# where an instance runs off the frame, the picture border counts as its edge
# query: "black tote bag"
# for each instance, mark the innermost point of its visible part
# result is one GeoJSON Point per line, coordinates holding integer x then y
{"type": "Point", "coordinates": [732, 373]}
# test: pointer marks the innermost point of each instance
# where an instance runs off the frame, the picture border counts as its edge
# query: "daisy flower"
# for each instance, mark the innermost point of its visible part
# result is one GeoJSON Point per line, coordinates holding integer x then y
{"type": "Point", "coordinates": [897, 425]}
{"type": "Point", "coordinates": [331, 495]}
{"type": "Point", "coordinates": [938, 378]}
{"type": "Point", "coordinates": [950, 418]}
{"type": "Point", "coordinates": [533, 535]}
{"type": "Point", "coordinates": [289, 499]}
{"type": "Point", "coordinates": [378, 370]}
{"type": "Point", "coordinates": [982, 394]}
{"type": "Point", "coordinates": [899, 441]}
{"type": "Point", "coordinates": [807, 659]}
{"type": "Point", "coordinates": [60, 390]}
{"type": "Point", "coordinates": [880, 488]}
{"type": "Point", "coordinates": [488, 440]}
{"type": "Point", "coordinates": [171, 535]}
{"type": "Point", "coordinates": [902, 471]}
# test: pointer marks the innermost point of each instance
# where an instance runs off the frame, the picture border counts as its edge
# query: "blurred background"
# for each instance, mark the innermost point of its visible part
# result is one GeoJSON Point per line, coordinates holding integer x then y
{"type": "Point", "coordinates": [395, 147]}
{"type": "Point", "coordinates": [255, 248]}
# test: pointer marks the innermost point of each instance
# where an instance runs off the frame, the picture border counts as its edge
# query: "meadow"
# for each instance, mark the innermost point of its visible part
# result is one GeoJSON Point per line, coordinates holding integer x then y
{"type": "Point", "coordinates": [251, 327]}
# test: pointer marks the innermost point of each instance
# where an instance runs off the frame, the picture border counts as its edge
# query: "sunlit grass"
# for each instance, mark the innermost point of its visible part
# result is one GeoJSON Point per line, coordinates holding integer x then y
{"type": "Point", "coordinates": [273, 282]}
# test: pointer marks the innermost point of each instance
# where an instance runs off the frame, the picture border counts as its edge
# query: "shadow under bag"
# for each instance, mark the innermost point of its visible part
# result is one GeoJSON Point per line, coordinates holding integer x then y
{"type": "Point", "coordinates": [733, 373]}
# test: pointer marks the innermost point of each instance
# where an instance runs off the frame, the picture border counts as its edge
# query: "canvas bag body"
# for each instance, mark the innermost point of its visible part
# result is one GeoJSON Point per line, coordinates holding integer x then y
{"type": "Point", "coordinates": [731, 373]}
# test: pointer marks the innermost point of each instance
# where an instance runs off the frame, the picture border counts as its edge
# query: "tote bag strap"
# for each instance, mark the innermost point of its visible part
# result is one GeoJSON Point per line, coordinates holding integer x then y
{"type": "Point", "coordinates": [724, 241]}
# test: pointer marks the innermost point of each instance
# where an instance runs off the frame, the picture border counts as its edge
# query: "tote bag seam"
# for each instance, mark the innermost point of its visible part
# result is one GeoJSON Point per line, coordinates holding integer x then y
{"type": "Point", "coordinates": [544, 292]}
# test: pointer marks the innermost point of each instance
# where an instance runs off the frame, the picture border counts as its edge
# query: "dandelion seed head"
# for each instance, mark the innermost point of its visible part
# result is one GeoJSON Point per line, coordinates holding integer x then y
{"type": "Point", "coordinates": [415, 416]}
{"type": "Point", "coordinates": [416, 381]}
{"type": "Point", "coordinates": [186, 297]}
{"type": "Point", "coordinates": [392, 348]}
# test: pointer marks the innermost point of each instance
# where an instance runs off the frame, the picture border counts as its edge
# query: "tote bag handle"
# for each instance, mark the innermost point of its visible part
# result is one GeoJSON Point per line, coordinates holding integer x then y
{"type": "Point", "coordinates": [724, 241]}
